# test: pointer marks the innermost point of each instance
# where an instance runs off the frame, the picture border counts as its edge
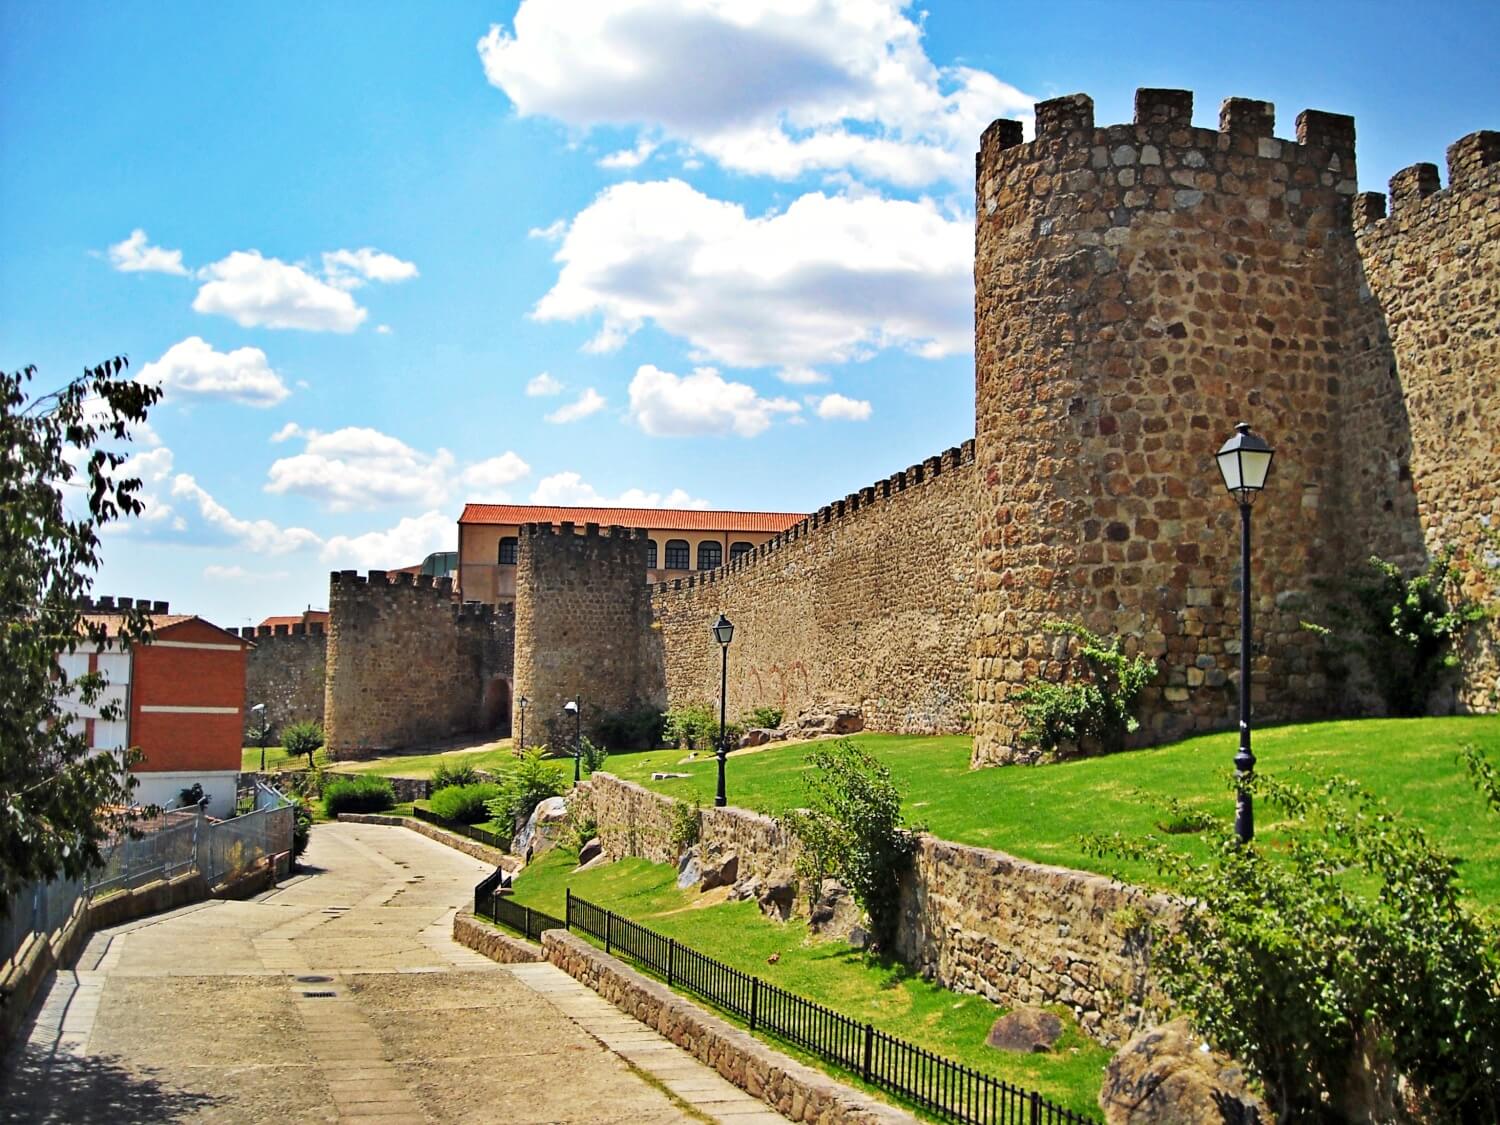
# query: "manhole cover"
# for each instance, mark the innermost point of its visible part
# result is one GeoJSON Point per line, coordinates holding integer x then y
{"type": "Point", "coordinates": [313, 980]}
{"type": "Point", "coordinates": [318, 995]}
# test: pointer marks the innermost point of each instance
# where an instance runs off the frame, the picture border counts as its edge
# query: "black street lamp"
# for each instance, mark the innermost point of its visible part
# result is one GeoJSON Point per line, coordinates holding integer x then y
{"type": "Point", "coordinates": [577, 713]}
{"type": "Point", "coordinates": [1245, 463]}
{"type": "Point", "coordinates": [262, 731]}
{"type": "Point", "coordinates": [723, 633]}
{"type": "Point", "coordinates": [520, 745]}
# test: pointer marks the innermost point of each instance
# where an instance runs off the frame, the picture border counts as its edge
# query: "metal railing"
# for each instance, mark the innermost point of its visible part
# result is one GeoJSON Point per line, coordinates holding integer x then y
{"type": "Point", "coordinates": [919, 1076]}
{"type": "Point", "coordinates": [178, 842]}
{"type": "Point", "coordinates": [490, 903]}
{"type": "Point", "coordinates": [478, 835]}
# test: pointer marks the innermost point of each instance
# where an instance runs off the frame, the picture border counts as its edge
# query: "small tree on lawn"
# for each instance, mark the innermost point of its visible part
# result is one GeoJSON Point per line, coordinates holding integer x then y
{"type": "Point", "coordinates": [303, 738]}
{"type": "Point", "coordinates": [60, 481]}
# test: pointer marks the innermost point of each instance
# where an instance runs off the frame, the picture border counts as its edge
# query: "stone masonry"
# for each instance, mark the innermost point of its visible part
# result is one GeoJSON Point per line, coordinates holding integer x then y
{"type": "Point", "coordinates": [286, 671]}
{"type": "Point", "coordinates": [409, 665]}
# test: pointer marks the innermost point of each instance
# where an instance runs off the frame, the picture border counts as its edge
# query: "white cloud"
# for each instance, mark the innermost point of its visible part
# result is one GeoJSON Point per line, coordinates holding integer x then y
{"type": "Point", "coordinates": [543, 385]}
{"type": "Point", "coordinates": [357, 466]}
{"type": "Point", "coordinates": [837, 406]}
{"type": "Point", "coordinates": [259, 536]}
{"type": "Point", "coordinates": [192, 369]}
{"type": "Point", "coordinates": [829, 280]}
{"type": "Point", "coordinates": [492, 475]}
{"type": "Point", "coordinates": [266, 292]}
{"type": "Point", "coordinates": [590, 402]}
{"type": "Point", "coordinates": [571, 490]}
{"type": "Point", "coordinates": [551, 232]}
{"type": "Point", "coordinates": [769, 87]}
{"type": "Point", "coordinates": [289, 431]}
{"type": "Point", "coordinates": [136, 255]}
{"type": "Point", "coordinates": [668, 405]}
{"type": "Point", "coordinates": [349, 269]}
{"type": "Point", "coordinates": [238, 573]}
{"type": "Point", "coordinates": [627, 158]}
{"type": "Point", "coordinates": [383, 329]}
{"type": "Point", "coordinates": [408, 543]}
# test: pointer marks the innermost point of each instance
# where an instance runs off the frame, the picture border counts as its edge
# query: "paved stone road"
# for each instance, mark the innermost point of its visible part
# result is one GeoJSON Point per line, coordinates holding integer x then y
{"type": "Point", "coordinates": [200, 1015]}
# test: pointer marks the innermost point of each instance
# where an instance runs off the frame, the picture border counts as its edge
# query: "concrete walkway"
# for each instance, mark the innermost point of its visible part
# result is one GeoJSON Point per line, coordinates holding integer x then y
{"type": "Point", "coordinates": [341, 997]}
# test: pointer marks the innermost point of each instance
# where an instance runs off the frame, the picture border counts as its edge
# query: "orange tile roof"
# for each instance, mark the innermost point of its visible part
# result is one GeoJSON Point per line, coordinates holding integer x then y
{"type": "Point", "coordinates": [160, 622]}
{"type": "Point", "coordinates": [667, 519]}
{"type": "Point", "coordinates": [298, 618]}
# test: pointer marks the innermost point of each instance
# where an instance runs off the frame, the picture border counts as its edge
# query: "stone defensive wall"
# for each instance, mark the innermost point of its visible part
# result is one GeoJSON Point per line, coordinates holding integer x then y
{"type": "Point", "coordinates": [408, 665]}
{"type": "Point", "coordinates": [1422, 446]}
{"type": "Point", "coordinates": [285, 670]}
{"type": "Point", "coordinates": [1138, 289]}
{"type": "Point", "coordinates": [868, 602]}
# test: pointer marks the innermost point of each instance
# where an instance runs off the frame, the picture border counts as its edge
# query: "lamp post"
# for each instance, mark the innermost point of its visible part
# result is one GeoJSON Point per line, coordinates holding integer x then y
{"type": "Point", "coordinates": [572, 707]}
{"type": "Point", "coordinates": [521, 743]}
{"type": "Point", "coordinates": [1245, 463]}
{"type": "Point", "coordinates": [261, 731]}
{"type": "Point", "coordinates": [723, 633]}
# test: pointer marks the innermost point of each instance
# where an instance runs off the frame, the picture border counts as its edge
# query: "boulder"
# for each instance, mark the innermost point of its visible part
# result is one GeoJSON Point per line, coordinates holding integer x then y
{"type": "Point", "coordinates": [542, 828]}
{"type": "Point", "coordinates": [830, 719]}
{"type": "Point", "coordinates": [590, 850]}
{"type": "Point", "coordinates": [663, 775]}
{"type": "Point", "coordinates": [859, 937]}
{"type": "Point", "coordinates": [777, 897]}
{"type": "Point", "coordinates": [720, 871]}
{"type": "Point", "coordinates": [1166, 1076]}
{"type": "Point", "coordinates": [834, 912]}
{"type": "Point", "coordinates": [1025, 1030]}
{"type": "Point", "coordinates": [755, 736]}
{"type": "Point", "coordinates": [689, 870]}
{"type": "Point", "coordinates": [598, 861]}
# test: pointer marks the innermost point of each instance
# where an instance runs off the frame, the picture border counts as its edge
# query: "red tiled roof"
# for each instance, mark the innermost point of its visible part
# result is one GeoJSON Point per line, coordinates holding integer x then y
{"type": "Point", "coordinates": [667, 519]}
{"type": "Point", "coordinates": [160, 622]}
{"type": "Point", "coordinates": [298, 618]}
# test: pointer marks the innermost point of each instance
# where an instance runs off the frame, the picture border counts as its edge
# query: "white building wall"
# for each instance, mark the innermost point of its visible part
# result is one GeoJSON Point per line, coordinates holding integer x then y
{"type": "Point", "coordinates": [164, 788]}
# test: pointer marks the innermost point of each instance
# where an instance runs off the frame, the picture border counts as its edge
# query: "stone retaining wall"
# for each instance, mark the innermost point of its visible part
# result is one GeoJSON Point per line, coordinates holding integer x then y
{"type": "Point", "coordinates": [973, 919]}
{"type": "Point", "coordinates": [497, 946]}
{"type": "Point", "coordinates": [797, 1092]}
{"type": "Point", "coordinates": [493, 856]}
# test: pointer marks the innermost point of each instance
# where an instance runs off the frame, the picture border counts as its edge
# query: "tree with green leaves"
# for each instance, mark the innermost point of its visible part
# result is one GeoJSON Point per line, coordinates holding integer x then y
{"type": "Point", "coordinates": [60, 482]}
{"type": "Point", "coordinates": [303, 738]}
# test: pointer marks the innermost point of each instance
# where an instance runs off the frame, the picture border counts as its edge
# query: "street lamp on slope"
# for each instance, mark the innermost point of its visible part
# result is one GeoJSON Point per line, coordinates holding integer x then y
{"type": "Point", "coordinates": [571, 706]}
{"type": "Point", "coordinates": [520, 745]}
{"type": "Point", "coordinates": [723, 633]}
{"type": "Point", "coordinates": [1245, 463]}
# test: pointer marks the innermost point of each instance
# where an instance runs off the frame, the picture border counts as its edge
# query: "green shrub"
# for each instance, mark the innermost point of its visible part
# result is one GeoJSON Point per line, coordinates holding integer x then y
{"type": "Point", "coordinates": [363, 793]}
{"type": "Point", "coordinates": [581, 827]}
{"type": "Point", "coordinates": [464, 804]}
{"type": "Point", "coordinates": [301, 827]}
{"type": "Point", "coordinates": [687, 823]}
{"type": "Point", "coordinates": [303, 738]}
{"type": "Point", "coordinates": [638, 727]}
{"type": "Point", "coordinates": [1102, 708]}
{"type": "Point", "coordinates": [693, 727]}
{"type": "Point", "coordinates": [852, 830]}
{"type": "Point", "coordinates": [528, 784]}
{"type": "Point", "coordinates": [1349, 933]}
{"type": "Point", "coordinates": [593, 755]}
{"type": "Point", "coordinates": [1406, 630]}
{"type": "Point", "coordinates": [768, 718]}
{"type": "Point", "coordinates": [447, 775]}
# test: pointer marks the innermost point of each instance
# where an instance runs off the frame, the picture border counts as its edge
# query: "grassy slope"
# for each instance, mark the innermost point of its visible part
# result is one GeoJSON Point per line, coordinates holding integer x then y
{"type": "Point", "coordinates": [887, 995]}
{"type": "Point", "coordinates": [1039, 813]}
{"type": "Point", "coordinates": [394, 765]}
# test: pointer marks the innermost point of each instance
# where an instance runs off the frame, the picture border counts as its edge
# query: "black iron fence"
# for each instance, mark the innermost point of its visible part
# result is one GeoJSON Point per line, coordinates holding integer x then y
{"type": "Point", "coordinates": [478, 835]}
{"type": "Point", "coordinates": [925, 1079]}
{"type": "Point", "coordinates": [490, 903]}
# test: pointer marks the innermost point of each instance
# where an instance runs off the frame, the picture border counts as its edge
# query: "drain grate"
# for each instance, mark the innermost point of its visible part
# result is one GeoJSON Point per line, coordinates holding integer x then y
{"type": "Point", "coordinates": [318, 995]}
{"type": "Point", "coordinates": [313, 980]}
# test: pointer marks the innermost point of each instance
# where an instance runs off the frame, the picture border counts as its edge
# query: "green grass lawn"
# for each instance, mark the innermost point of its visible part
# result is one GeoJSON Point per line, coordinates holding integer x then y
{"type": "Point", "coordinates": [850, 981]}
{"type": "Point", "coordinates": [276, 759]}
{"type": "Point", "coordinates": [496, 755]}
{"type": "Point", "coordinates": [1040, 812]}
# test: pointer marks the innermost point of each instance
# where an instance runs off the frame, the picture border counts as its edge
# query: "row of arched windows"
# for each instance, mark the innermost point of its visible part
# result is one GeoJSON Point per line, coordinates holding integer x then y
{"type": "Point", "coordinates": [679, 554]}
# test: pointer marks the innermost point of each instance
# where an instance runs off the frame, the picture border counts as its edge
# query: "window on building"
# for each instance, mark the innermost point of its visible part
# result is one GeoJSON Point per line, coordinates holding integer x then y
{"type": "Point", "coordinates": [679, 555]}
{"type": "Point", "coordinates": [740, 549]}
{"type": "Point", "coordinates": [710, 555]}
{"type": "Point", "coordinates": [651, 554]}
{"type": "Point", "coordinates": [508, 547]}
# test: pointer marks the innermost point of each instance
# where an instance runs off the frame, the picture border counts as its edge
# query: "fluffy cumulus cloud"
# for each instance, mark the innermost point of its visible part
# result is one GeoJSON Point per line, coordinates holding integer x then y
{"type": "Point", "coordinates": [842, 408]}
{"type": "Point", "coordinates": [256, 291]}
{"type": "Point", "coordinates": [667, 405]}
{"type": "Point", "coordinates": [358, 467]}
{"type": "Point", "coordinates": [409, 542]}
{"type": "Point", "coordinates": [590, 402]}
{"type": "Point", "coordinates": [571, 490]}
{"type": "Point", "coordinates": [260, 536]}
{"type": "Point", "coordinates": [136, 255]}
{"type": "Point", "coordinates": [829, 280]}
{"type": "Point", "coordinates": [543, 386]}
{"type": "Point", "coordinates": [349, 269]}
{"type": "Point", "coordinates": [492, 475]}
{"type": "Point", "coordinates": [768, 87]}
{"type": "Point", "coordinates": [193, 369]}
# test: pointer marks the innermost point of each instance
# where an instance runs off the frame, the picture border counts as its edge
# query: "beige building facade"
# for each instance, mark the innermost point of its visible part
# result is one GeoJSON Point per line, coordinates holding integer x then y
{"type": "Point", "coordinates": [682, 541]}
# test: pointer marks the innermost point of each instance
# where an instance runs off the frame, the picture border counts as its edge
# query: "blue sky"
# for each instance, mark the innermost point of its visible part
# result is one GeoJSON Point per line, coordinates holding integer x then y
{"type": "Point", "coordinates": [736, 241]}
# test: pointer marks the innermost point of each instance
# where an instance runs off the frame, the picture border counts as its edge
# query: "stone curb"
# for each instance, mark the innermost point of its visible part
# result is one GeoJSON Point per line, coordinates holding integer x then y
{"type": "Point", "coordinates": [493, 856]}
{"type": "Point", "coordinates": [493, 943]}
{"type": "Point", "coordinates": [795, 1091]}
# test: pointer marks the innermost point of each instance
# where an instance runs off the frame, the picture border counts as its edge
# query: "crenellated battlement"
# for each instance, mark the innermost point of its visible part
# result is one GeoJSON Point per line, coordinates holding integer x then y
{"type": "Point", "coordinates": [293, 629]}
{"type": "Point", "coordinates": [350, 582]}
{"type": "Point", "coordinates": [852, 506]}
{"type": "Point", "coordinates": [1416, 192]}
{"type": "Point", "coordinates": [108, 604]}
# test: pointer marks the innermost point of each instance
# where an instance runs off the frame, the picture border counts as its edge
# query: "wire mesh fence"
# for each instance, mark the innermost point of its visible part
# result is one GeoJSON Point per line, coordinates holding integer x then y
{"type": "Point", "coordinates": [921, 1077]}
